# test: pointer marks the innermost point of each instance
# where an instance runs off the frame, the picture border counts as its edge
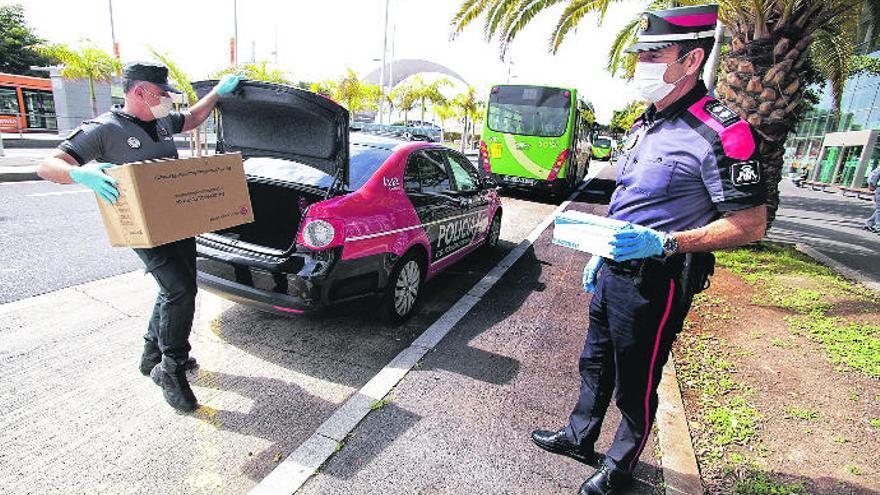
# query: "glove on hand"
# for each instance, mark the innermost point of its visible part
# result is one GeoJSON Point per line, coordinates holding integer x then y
{"type": "Point", "coordinates": [227, 84]}
{"type": "Point", "coordinates": [635, 242]}
{"type": "Point", "coordinates": [92, 176]}
{"type": "Point", "coordinates": [590, 272]}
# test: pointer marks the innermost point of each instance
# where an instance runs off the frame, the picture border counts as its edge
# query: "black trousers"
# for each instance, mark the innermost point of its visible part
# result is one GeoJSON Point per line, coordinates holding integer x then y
{"type": "Point", "coordinates": [174, 268]}
{"type": "Point", "coordinates": [635, 315]}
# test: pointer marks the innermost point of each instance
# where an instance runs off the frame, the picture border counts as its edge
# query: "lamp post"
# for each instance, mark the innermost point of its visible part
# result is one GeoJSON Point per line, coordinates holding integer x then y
{"type": "Point", "coordinates": [235, 28]}
{"type": "Point", "coordinates": [382, 70]}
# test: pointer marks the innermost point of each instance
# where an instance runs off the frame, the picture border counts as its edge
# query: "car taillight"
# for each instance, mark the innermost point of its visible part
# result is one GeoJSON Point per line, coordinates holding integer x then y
{"type": "Point", "coordinates": [484, 156]}
{"type": "Point", "coordinates": [321, 233]}
{"type": "Point", "coordinates": [557, 165]}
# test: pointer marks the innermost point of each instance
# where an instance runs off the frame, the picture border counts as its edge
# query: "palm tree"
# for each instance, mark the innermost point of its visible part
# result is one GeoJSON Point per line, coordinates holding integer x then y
{"type": "Point", "coordinates": [445, 112]}
{"type": "Point", "coordinates": [426, 92]}
{"type": "Point", "coordinates": [470, 109]}
{"type": "Point", "coordinates": [182, 81]}
{"type": "Point", "coordinates": [350, 92]}
{"type": "Point", "coordinates": [774, 45]}
{"type": "Point", "coordinates": [405, 99]}
{"type": "Point", "coordinates": [88, 62]}
{"type": "Point", "coordinates": [258, 71]}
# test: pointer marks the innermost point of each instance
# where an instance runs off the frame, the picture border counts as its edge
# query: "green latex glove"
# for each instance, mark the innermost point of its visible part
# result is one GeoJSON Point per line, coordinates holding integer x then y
{"type": "Point", "coordinates": [92, 176]}
{"type": "Point", "coordinates": [227, 84]}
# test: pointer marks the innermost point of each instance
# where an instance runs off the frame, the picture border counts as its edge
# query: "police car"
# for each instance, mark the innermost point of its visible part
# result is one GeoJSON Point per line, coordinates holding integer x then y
{"type": "Point", "coordinates": [338, 216]}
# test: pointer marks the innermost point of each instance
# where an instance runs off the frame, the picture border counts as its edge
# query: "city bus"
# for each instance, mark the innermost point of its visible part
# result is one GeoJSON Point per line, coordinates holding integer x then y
{"type": "Point", "coordinates": [602, 148]}
{"type": "Point", "coordinates": [534, 138]}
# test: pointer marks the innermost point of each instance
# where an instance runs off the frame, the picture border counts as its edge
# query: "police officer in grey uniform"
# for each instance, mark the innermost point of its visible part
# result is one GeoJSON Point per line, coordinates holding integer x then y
{"type": "Point", "coordinates": [688, 183]}
{"type": "Point", "coordinates": [143, 129]}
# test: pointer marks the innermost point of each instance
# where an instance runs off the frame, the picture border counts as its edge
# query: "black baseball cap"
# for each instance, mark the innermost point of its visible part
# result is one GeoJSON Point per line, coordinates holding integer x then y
{"type": "Point", "coordinates": [150, 72]}
{"type": "Point", "coordinates": [662, 28]}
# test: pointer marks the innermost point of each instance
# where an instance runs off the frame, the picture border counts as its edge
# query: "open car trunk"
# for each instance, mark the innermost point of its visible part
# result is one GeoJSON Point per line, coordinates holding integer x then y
{"type": "Point", "coordinates": [278, 212]}
{"type": "Point", "coordinates": [295, 146]}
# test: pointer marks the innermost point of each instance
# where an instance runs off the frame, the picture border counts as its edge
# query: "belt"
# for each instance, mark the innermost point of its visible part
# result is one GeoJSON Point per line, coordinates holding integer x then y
{"type": "Point", "coordinates": [636, 267]}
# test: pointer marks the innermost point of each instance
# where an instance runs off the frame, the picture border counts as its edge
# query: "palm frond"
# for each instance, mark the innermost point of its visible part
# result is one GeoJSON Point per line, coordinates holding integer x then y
{"type": "Point", "coordinates": [467, 13]}
{"type": "Point", "coordinates": [527, 10]}
{"type": "Point", "coordinates": [571, 16]}
{"type": "Point", "coordinates": [624, 38]}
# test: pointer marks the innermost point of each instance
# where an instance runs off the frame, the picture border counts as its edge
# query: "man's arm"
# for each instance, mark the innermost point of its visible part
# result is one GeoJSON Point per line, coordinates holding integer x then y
{"type": "Point", "coordinates": [200, 111]}
{"type": "Point", "coordinates": [734, 229]}
{"type": "Point", "coordinates": [57, 167]}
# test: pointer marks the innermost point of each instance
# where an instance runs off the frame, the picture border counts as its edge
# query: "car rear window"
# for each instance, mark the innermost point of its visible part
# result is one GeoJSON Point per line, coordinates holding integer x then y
{"type": "Point", "coordinates": [364, 161]}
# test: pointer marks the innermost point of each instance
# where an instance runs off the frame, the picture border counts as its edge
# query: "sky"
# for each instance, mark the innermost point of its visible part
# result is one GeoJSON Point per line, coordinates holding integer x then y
{"type": "Point", "coordinates": [319, 40]}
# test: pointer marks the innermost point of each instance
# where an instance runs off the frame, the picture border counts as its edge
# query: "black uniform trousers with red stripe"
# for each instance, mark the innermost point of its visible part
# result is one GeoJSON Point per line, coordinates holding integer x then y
{"type": "Point", "coordinates": [635, 314]}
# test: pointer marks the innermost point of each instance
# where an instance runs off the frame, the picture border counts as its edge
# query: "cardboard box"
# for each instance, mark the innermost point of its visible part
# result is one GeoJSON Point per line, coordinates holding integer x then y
{"type": "Point", "coordinates": [163, 201]}
{"type": "Point", "coordinates": [585, 232]}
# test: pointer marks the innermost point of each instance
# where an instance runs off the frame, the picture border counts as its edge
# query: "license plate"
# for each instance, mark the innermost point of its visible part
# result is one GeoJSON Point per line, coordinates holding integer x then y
{"type": "Point", "coordinates": [519, 180]}
{"type": "Point", "coordinates": [495, 150]}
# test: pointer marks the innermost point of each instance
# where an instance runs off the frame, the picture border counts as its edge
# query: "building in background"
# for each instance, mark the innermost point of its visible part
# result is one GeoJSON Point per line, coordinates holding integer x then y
{"type": "Point", "coordinates": [841, 148]}
{"type": "Point", "coordinates": [26, 104]}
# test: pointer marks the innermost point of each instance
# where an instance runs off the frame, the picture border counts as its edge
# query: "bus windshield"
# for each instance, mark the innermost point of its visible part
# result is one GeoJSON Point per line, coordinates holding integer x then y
{"type": "Point", "coordinates": [602, 143]}
{"type": "Point", "coordinates": [529, 110]}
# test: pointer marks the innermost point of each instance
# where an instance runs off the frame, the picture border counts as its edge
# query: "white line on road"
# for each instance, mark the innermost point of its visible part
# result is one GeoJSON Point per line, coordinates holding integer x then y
{"type": "Point", "coordinates": [289, 476]}
{"type": "Point", "coordinates": [78, 191]}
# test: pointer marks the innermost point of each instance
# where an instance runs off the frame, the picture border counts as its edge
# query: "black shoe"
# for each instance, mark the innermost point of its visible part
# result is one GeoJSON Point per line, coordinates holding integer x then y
{"type": "Point", "coordinates": [152, 356]}
{"type": "Point", "coordinates": [558, 443]}
{"type": "Point", "coordinates": [171, 376]}
{"type": "Point", "coordinates": [606, 481]}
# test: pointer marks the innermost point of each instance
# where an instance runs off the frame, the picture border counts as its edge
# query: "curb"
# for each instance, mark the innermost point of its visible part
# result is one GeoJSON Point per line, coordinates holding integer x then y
{"type": "Point", "coordinates": [843, 270]}
{"type": "Point", "coordinates": [681, 475]}
{"type": "Point", "coordinates": [18, 174]}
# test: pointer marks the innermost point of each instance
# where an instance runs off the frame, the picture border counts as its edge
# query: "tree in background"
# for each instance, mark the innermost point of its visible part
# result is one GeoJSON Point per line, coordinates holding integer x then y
{"type": "Point", "coordinates": [182, 82]}
{"type": "Point", "coordinates": [88, 62]}
{"type": "Point", "coordinates": [405, 100]}
{"type": "Point", "coordinates": [425, 92]}
{"type": "Point", "coordinates": [18, 44]}
{"type": "Point", "coordinates": [763, 75]}
{"type": "Point", "coordinates": [350, 91]}
{"type": "Point", "coordinates": [623, 119]}
{"type": "Point", "coordinates": [445, 112]}
{"type": "Point", "coordinates": [259, 71]}
{"type": "Point", "coordinates": [470, 109]}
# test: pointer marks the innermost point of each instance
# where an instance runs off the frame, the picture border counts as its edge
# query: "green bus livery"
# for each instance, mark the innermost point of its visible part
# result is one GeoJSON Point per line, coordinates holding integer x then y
{"type": "Point", "coordinates": [533, 138]}
{"type": "Point", "coordinates": [602, 148]}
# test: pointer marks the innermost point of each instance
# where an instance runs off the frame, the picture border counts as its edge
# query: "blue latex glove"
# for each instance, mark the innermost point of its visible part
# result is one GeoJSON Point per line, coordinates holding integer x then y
{"type": "Point", "coordinates": [227, 84]}
{"type": "Point", "coordinates": [590, 272]}
{"type": "Point", "coordinates": [92, 176]}
{"type": "Point", "coordinates": [634, 242]}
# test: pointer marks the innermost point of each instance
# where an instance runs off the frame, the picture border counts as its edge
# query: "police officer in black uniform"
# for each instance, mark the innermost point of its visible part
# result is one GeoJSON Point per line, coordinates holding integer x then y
{"type": "Point", "coordinates": [688, 182]}
{"type": "Point", "coordinates": [143, 129]}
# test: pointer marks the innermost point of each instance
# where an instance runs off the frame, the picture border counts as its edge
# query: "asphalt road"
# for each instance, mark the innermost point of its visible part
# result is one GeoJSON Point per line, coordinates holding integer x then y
{"type": "Point", "coordinates": [51, 237]}
{"type": "Point", "coordinates": [78, 417]}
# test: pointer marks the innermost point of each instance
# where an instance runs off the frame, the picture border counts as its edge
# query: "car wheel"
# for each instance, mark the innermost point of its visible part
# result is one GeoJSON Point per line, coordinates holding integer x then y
{"type": "Point", "coordinates": [402, 293]}
{"type": "Point", "coordinates": [494, 233]}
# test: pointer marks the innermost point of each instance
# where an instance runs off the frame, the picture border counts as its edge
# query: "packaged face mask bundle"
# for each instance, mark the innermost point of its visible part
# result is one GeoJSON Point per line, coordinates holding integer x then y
{"type": "Point", "coordinates": [585, 232]}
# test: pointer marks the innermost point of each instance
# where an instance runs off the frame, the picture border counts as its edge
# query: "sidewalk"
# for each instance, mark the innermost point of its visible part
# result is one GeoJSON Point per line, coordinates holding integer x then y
{"type": "Point", "coordinates": [831, 224]}
{"type": "Point", "coordinates": [460, 421]}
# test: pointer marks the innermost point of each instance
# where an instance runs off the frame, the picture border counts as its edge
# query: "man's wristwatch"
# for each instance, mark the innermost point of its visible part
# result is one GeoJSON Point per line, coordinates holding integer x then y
{"type": "Point", "coordinates": [670, 245]}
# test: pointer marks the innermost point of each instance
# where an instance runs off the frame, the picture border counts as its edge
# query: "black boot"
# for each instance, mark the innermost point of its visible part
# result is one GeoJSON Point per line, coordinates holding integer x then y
{"type": "Point", "coordinates": [558, 443]}
{"type": "Point", "coordinates": [606, 481]}
{"type": "Point", "coordinates": [171, 376]}
{"type": "Point", "coordinates": [152, 355]}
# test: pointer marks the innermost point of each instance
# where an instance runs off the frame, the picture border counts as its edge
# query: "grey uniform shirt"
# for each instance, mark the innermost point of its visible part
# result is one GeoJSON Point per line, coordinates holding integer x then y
{"type": "Point", "coordinates": [117, 137]}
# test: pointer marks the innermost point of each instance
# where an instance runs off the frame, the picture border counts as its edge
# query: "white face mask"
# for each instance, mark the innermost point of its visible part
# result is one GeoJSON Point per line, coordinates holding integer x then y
{"type": "Point", "coordinates": [648, 78]}
{"type": "Point", "coordinates": [163, 108]}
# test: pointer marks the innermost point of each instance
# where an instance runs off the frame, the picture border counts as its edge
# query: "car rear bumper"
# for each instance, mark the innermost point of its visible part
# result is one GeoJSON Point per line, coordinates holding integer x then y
{"type": "Point", "coordinates": [510, 182]}
{"type": "Point", "coordinates": [297, 283]}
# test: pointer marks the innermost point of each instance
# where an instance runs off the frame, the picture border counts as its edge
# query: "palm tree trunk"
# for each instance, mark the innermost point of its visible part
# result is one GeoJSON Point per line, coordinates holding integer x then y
{"type": "Point", "coordinates": [761, 81]}
{"type": "Point", "coordinates": [94, 98]}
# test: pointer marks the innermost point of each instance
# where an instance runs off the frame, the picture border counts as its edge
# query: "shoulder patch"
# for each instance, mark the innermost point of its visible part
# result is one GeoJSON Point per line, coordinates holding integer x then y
{"type": "Point", "coordinates": [721, 113]}
{"type": "Point", "coordinates": [745, 173]}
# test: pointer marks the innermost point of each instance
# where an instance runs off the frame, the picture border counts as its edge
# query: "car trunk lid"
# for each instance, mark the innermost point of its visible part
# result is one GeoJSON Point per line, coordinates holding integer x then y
{"type": "Point", "coordinates": [262, 119]}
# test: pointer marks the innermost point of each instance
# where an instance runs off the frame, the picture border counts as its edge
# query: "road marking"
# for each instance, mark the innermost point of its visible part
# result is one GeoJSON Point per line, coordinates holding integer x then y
{"type": "Point", "coordinates": [293, 472]}
{"type": "Point", "coordinates": [40, 195]}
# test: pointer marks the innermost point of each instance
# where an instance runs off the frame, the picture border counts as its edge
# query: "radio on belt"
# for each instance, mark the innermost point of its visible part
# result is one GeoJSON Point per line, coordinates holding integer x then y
{"type": "Point", "coordinates": [585, 232]}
